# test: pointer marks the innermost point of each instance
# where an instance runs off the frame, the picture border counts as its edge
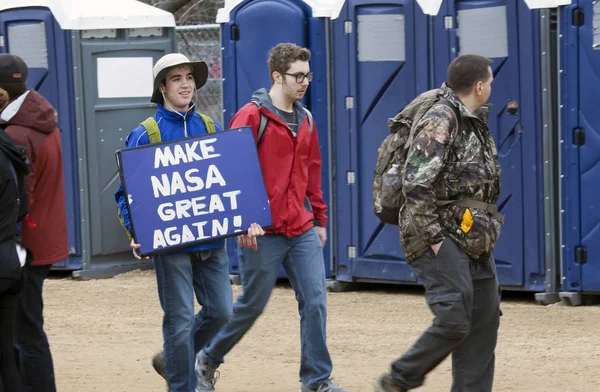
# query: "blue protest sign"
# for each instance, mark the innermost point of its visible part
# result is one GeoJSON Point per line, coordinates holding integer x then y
{"type": "Point", "coordinates": [193, 190]}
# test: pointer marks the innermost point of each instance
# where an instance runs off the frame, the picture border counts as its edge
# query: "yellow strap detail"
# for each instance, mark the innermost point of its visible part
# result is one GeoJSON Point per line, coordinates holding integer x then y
{"type": "Point", "coordinates": [152, 130]}
{"type": "Point", "coordinates": [208, 123]}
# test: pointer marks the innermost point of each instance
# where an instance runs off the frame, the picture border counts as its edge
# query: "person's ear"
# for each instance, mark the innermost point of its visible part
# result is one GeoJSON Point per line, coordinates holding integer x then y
{"type": "Point", "coordinates": [479, 88]}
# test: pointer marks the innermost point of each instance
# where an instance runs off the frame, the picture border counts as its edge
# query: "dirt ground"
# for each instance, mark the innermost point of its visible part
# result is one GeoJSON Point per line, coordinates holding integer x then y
{"type": "Point", "coordinates": [104, 332]}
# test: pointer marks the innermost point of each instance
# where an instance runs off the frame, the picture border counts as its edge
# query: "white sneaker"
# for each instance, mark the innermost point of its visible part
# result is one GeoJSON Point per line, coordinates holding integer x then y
{"type": "Point", "coordinates": [327, 386]}
{"type": "Point", "coordinates": [207, 375]}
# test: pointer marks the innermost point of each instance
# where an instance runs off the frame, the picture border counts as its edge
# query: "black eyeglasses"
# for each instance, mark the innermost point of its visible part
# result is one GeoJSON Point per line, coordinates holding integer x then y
{"type": "Point", "coordinates": [300, 76]}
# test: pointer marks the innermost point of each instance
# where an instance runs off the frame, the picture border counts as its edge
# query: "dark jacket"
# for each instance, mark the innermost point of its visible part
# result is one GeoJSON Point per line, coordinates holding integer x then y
{"type": "Point", "coordinates": [446, 162]}
{"type": "Point", "coordinates": [31, 122]}
{"type": "Point", "coordinates": [10, 266]}
{"type": "Point", "coordinates": [291, 166]}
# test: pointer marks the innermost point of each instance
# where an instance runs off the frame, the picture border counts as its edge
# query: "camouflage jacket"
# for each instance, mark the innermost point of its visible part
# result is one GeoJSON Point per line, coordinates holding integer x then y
{"type": "Point", "coordinates": [446, 162]}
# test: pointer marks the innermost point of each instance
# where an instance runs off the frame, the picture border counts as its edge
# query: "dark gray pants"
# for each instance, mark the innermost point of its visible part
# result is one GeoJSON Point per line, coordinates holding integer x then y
{"type": "Point", "coordinates": [464, 296]}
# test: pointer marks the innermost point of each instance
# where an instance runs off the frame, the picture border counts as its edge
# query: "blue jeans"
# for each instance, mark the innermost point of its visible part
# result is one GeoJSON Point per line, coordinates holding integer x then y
{"type": "Point", "coordinates": [302, 258]}
{"type": "Point", "coordinates": [179, 276]}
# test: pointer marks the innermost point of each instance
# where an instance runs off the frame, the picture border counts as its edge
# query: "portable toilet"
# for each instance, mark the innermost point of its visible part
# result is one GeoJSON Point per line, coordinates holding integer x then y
{"type": "Point", "coordinates": [249, 29]}
{"type": "Point", "coordinates": [369, 60]}
{"type": "Point", "coordinates": [93, 61]}
{"type": "Point", "coordinates": [520, 40]}
{"type": "Point", "coordinates": [580, 148]}
{"type": "Point", "coordinates": [380, 63]}
{"type": "Point", "coordinates": [425, 40]}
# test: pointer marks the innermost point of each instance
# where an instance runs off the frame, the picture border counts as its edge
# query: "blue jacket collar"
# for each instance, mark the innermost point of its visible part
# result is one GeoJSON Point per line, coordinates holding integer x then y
{"type": "Point", "coordinates": [174, 116]}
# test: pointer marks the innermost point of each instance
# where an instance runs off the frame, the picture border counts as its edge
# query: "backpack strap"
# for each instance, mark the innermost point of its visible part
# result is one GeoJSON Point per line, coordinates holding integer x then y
{"type": "Point", "coordinates": [209, 123]}
{"type": "Point", "coordinates": [122, 222]}
{"type": "Point", "coordinates": [152, 130]}
{"type": "Point", "coordinates": [262, 126]}
{"type": "Point", "coordinates": [449, 104]}
{"type": "Point", "coordinates": [468, 203]}
{"type": "Point", "coordinates": [310, 119]}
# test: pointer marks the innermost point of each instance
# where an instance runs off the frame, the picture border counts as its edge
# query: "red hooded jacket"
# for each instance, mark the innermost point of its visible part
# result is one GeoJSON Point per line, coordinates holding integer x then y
{"type": "Point", "coordinates": [31, 122]}
{"type": "Point", "coordinates": [291, 166]}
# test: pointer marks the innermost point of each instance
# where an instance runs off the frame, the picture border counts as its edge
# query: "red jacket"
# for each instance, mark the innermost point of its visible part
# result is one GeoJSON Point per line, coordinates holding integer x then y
{"type": "Point", "coordinates": [291, 166]}
{"type": "Point", "coordinates": [31, 122]}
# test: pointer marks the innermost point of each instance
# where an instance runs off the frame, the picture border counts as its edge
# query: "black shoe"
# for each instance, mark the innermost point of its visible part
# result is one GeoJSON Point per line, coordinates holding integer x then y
{"type": "Point", "coordinates": [386, 384]}
{"type": "Point", "coordinates": [158, 362]}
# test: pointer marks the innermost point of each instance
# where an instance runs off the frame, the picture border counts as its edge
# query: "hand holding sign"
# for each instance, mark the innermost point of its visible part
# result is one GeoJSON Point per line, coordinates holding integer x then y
{"type": "Point", "coordinates": [134, 249]}
{"type": "Point", "coordinates": [194, 190]}
{"type": "Point", "coordinates": [249, 240]}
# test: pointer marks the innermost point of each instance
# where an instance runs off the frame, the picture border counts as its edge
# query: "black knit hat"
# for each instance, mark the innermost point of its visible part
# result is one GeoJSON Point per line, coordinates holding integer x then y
{"type": "Point", "coordinates": [12, 69]}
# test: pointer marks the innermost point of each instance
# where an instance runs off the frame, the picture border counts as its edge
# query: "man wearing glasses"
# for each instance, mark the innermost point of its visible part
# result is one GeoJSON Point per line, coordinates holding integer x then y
{"type": "Point", "coordinates": [288, 149]}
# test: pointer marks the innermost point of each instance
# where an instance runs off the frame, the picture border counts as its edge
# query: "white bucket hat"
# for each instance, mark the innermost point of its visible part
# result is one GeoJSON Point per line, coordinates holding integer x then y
{"type": "Point", "coordinates": [171, 60]}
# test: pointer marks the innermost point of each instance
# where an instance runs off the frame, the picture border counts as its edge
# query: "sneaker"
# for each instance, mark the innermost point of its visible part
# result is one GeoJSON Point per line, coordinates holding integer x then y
{"type": "Point", "coordinates": [158, 362]}
{"type": "Point", "coordinates": [386, 384]}
{"type": "Point", "coordinates": [207, 375]}
{"type": "Point", "coordinates": [327, 386]}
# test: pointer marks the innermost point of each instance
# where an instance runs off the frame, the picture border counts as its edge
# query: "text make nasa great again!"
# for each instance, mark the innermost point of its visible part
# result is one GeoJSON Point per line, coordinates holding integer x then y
{"type": "Point", "coordinates": [192, 180]}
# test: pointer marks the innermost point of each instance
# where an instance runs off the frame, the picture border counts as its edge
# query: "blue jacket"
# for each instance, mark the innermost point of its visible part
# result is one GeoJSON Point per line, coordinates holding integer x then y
{"type": "Point", "coordinates": [171, 127]}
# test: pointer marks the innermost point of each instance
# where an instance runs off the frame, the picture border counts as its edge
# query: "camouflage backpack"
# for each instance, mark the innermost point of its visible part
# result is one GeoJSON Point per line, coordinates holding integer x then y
{"type": "Point", "coordinates": [391, 155]}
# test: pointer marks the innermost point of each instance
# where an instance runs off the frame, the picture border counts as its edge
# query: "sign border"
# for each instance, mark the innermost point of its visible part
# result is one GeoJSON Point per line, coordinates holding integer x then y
{"type": "Point", "coordinates": [188, 244]}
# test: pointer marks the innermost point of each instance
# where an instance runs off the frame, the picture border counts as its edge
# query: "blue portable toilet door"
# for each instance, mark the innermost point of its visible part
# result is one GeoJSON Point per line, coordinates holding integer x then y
{"type": "Point", "coordinates": [382, 78]}
{"type": "Point", "coordinates": [34, 35]}
{"type": "Point", "coordinates": [589, 151]}
{"type": "Point", "coordinates": [256, 27]}
{"type": "Point", "coordinates": [490, 29]}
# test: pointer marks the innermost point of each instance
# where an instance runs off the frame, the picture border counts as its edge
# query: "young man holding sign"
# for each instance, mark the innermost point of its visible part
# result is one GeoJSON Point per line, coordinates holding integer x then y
{"type": "Point", "coordinates": [288, 148]}
{"type": "Point", "coordinates": [202, 269]}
